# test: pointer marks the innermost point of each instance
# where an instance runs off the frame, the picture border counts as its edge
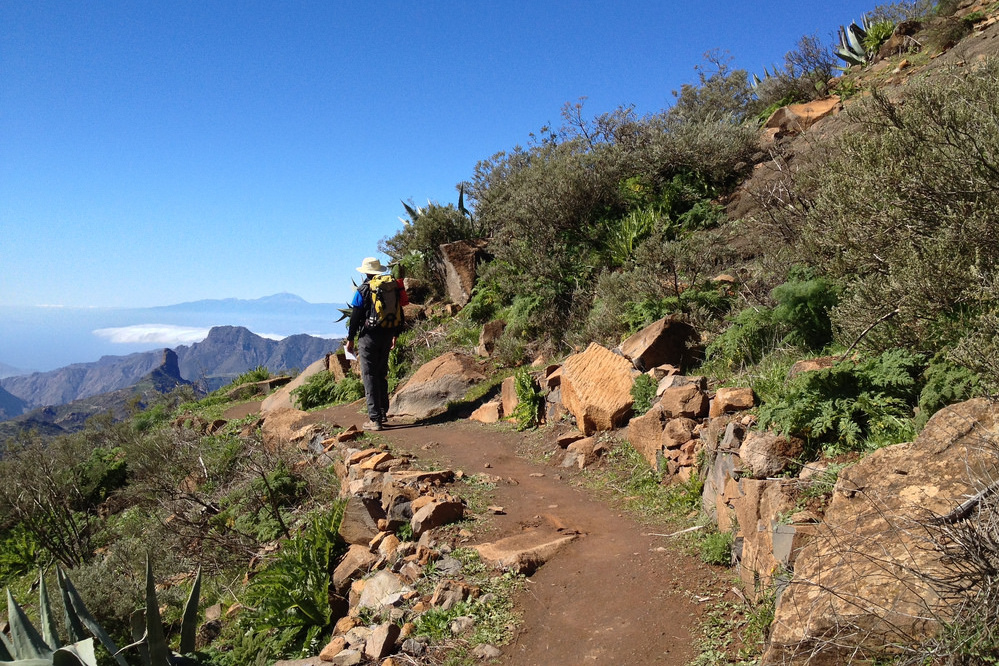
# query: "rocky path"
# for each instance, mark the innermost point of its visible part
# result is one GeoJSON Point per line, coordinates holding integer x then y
{"type": "Point", "coordinates": [615, 595]}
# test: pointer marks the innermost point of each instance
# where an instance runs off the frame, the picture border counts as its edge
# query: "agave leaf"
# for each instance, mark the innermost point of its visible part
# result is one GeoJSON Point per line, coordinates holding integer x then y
{"type": "Point", "coordinates": [25, 640]}
{"type": "Point", "coordinates": [83, 616]}
{"type": "Point", "coordinates": [72, 621]}
{"type": "Point", "coordinates": [159, 651]}
{"type": "Point", "coordinates": [857, 35]}
{"type": "Point", "coordinates": [77, 654]}
{"type": "Point", "coordinates": [189, 625]}
{"type": "Point", "coordinates": [344, 314]}
{"type": "Point", "coordinates": [413, 214]}
{"type": "Point", "coordinates": [461, 200]}
{"type": "Point", "coordinates": [5, 648]}
{"type": "Point", "coordinates": [49, 633]}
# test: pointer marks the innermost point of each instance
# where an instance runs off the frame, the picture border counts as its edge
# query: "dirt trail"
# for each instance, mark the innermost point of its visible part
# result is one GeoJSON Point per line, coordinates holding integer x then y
{"type": "Point", "coordinates": [613, 596]}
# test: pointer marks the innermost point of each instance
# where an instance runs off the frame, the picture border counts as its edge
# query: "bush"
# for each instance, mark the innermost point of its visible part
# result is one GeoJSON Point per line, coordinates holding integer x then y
{"type": "Point", "coordinates": [291, 595]}
{"type": "Point", "coordinates": [716, 548]}
{"type": "Point", "coordinates": [851, 406]}
{"type": "Point", "coordinates": [887, 205]}
{"type": "Point", "coordinates": [643, 393]}
{"type": "Point", "coordinates": [323, 389]}
{"type": "Point", "coordinates": [530, 400]}
{"type": "Point", "coordinates": [417, 245]}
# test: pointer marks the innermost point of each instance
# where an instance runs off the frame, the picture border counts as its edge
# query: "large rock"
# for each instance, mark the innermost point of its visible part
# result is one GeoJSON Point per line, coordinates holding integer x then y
{"type": "Point", "coordinates": [359, 524]}
{"type": "Point", "coordinates": [443, 380]}
{"type": "Point", "coordinates": [491, 332]}
{"type": "Point", "coordinates": [281, 426]}
{"type": "Point", "coordinates": [460, 261]}
{"type": "Point", "coordinates": [766, 454]}
{"type": "Point", "coordinates": [282, 398]}
{"type": "Point", "coordinates": [645, 433]}
{"type": "Point", "coordinates": [666, 341]}
{"type": "Point", "coordinates": [795, 118]}
{"type": "Point", "coordinates": [861, 582]}
{"type": "Point", "coordinates": [596, 389]}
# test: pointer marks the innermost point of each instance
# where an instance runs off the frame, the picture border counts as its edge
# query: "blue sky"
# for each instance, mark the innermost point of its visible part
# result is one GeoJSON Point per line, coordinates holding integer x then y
{"type": "Point", "coordinates": [161, 152]}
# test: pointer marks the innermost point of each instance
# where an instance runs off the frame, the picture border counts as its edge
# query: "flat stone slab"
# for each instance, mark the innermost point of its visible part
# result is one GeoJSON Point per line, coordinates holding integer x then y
{"type": "Point", "coordinates": [524, 552]}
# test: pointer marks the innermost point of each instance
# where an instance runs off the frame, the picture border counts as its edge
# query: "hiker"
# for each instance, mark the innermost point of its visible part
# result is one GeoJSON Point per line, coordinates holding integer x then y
{"type": "Point", "coordinates": [376, 320]}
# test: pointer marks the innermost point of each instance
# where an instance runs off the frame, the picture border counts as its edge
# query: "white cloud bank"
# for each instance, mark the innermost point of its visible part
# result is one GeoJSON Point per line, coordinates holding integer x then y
{"type": "Point", "coordinates": [161, 334]}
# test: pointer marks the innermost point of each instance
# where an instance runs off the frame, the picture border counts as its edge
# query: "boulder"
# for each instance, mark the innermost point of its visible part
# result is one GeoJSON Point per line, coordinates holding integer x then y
{"type": "Point", "coordinates": [687, 401]}
{"type": "Point", "coordinates": [811, 365]}
{"type": "Point", "coordinates": [668, 340]}
{"type": "Point", "coordinates": [796, 118]}
{"type": "Point", "coordinates": [381, 642]}
{"type": "Point", "coordinates": [359, 524]}
{"type": "Point", "coordinates": [731, 399]}
{"type": "Point", "coordinates": [381, 590]}
{"type": "Point", "coordinates": [863, 581]}
{"type": "Point", "coordinates": [460, 261]}
{"type": "Point", "coordinates": [491, 332]}
{"type": "Point", "coordinates": [596, 389]}
{"type": "Point", "coordinates": [508, 394]}
{"type": "Point", "coordinates": [355, 564]}
{"type": "Point", "coordinates": [489, 412]}
{"type": "Point", "coordinates": [435, 514]}
{"type": "Point", "coordinates": [282, 399]}
{"type": "Point", "coordinates": [645, 433]}
{"type": "Point", "coordinates": [767, 454]}
{"type": "Point", "coordinates": [443, 380]}
{"type": "Point", "coordinates": [281, 425]}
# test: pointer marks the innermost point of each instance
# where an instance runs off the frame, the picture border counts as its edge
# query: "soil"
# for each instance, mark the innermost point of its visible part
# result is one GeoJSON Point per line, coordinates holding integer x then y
{"type": "Point", "coordinates": [616, 595]}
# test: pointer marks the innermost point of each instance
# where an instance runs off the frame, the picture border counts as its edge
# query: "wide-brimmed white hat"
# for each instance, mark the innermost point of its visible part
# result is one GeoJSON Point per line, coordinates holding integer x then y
{"type": "Point", "coordinates": [371, 266]}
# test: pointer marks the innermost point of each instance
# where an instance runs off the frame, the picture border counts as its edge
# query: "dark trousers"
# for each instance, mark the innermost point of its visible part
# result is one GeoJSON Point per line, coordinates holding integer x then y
{"type": "Point", "coordinates": [373, 349]}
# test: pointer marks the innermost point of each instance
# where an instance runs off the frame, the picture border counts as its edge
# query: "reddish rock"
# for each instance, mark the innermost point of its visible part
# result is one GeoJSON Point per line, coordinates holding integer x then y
{"type": "Point", "coordinates": [796, 118]}
{"type": "Point", "coordinates": [731, 399]}
{"type": "Point", "coordinates": [524, 552]}
{"type": "Point", "coordinates": [508, 393]}
{"type": "Point", "coordinates": [436, 514]}
{"type": "Point", "coordinates": [441, 381]}
{"type": "Point", "coordinates": [460, 261]}
{"type": "Point", "coordinates": [678, 432]}
{"type": "Point", "coordinates": [280, 425]}
{"type": "Point", "coordinates": [645, 433]}
{"type": "Point", "coordinates": [687, 401]}
{"type": "Point", "coordinates": [382, 640]}
{"type": "Point", "coordinates": [490, 412]}
{"type": "Point", "coordinates": [668, 340]}
{"type": "Point", "coordinates": [596, 389]}
{"type": "Point", "coordinates": [355, 564]}
{"type": "Point", "coordinates": [491, 332]}
{"type": "Point", "coordinates": [333, 648]}
{"type": "Point", "coordinates": [811, 365]}
{"type": "Point", "coordinates": [281, 399]}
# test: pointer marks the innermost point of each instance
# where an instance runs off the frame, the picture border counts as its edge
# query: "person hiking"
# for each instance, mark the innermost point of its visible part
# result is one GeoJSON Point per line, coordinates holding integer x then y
{"type": "Point", "coordinates": [376, 320]}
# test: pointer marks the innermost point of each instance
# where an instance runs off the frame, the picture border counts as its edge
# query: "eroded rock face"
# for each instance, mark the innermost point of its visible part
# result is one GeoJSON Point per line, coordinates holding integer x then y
{"type": "Point", "coordinates": [596, 389]}
{"type": "Point", "coordinates": [282, 399]}
{"type": "Point", "coordinates": [795, 118]}
{"type": "Point", "coordinates": [444, 379]}
{"type": "Point", "coordinates": [854, 585]}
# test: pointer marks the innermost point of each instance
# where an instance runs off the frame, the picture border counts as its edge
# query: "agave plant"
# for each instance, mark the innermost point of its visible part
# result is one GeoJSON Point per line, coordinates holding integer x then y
{"type": "Point", "coordinates": [851, 44]}
{"type": "Point", "coordinates": [29, 647]}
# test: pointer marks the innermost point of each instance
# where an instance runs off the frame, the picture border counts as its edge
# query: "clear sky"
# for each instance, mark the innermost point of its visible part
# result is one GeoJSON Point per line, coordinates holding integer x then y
{"type": "Point", "coordinates": [160, 152]}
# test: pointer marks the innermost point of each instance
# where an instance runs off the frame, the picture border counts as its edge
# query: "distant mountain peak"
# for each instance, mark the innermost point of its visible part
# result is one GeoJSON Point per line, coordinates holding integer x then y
{"type": "Point", "coordinates": [283, 297]}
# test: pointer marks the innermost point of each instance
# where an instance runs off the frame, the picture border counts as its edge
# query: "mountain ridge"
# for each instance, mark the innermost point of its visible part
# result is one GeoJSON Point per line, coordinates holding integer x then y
{"type": "Point", "coordinates": [224, 354]}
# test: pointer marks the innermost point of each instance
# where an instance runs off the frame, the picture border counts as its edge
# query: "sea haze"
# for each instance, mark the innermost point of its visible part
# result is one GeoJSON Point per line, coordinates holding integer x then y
{"type": "Point", "coordinates": [41, 338]}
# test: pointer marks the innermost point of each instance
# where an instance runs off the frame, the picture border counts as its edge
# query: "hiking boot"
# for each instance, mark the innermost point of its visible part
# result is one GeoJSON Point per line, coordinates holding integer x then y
{"type": "Point", "coordinates": [371, 425]}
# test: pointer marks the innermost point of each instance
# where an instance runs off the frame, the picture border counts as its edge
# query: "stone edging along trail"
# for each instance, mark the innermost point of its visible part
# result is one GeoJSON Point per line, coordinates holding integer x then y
{"type": "Point", "coordinates": [614, 595]}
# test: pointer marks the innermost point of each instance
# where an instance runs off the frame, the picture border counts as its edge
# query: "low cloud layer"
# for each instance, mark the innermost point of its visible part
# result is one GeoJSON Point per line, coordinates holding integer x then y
{"type": "Point", "coordinates": [161, 334]}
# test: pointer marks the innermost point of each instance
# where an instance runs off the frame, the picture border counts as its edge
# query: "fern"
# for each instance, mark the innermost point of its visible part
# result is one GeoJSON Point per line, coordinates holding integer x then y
{"type": "Point", "coordinates": [530, 400]}
{"type": "Point", "coordinates": [850, 406]}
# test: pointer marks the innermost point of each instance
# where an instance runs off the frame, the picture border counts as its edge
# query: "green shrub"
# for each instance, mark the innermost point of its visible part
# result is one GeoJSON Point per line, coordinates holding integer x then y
{"type": "Point", "coordinates": [944, 383]}
{"type": "Point", "coordinates": [851, 406]}
{"type": "Point", "coordinates": [643, 392]}
{"type": "Point", "coordinates": [323, 389]}
{"type": "Point", "coordinates": [258, 374]}
{"type": "Point", "coordinates": [291, 595]}
{"type": "Point", "coordinates": [799, 319]}
{"type": "Point", "coordinates": [530, 400]}
{"type": "Point", "coordinates": [844, 215]}
{"type": "Point", "coordinates": [877, 34]}
{"type": "Point", "coordinates": [716, 548]}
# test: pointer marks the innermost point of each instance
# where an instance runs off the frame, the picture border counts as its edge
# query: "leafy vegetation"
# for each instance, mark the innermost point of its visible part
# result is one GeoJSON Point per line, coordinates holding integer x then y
{"type": "Point", "coordinates": [530, 400]}
{"type": "Point", "coordinates": [322, 389]}
{"type": "Point", "coordinates": [643, 393]}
